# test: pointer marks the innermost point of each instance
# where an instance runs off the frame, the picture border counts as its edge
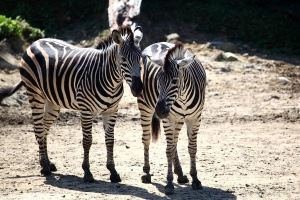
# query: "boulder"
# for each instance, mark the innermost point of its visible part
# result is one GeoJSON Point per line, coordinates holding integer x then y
{"type": "Point", "coordinates": [217, 56]}
{"type": "Point", "coordinates": [7, 58]}
{"type": "Point", "coordinates": [230, 56]}
{"type": "Point", "coordinates": [172, 38]}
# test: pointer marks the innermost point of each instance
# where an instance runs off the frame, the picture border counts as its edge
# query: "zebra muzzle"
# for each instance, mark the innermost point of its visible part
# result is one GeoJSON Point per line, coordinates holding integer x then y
{"type": "Point", "coordinates": [161, 109]}
{"type": "Point", "coordinates": [136, 86]}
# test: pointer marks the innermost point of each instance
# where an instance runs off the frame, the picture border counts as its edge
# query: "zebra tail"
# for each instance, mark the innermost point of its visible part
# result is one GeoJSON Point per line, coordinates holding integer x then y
{"type": "Point", "coordinates": [7, 91]}
{"type": "Point", "coordinates": [155, 127]}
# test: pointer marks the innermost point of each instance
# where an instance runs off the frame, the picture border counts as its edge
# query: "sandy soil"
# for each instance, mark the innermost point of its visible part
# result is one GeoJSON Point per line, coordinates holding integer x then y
{"type": "Point", "coordinates": [248, 145]}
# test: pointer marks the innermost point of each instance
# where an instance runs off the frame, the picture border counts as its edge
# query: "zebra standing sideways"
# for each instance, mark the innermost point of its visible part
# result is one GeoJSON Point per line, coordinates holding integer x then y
{"type": "Point", "coordinates": [59, 75]}
{"type": "Point", "coordinates": [174, 90]}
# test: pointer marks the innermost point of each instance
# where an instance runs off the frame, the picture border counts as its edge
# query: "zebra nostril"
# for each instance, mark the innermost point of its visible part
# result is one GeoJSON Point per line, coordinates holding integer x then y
{"type": "Point", "coordinates": [161, 109]}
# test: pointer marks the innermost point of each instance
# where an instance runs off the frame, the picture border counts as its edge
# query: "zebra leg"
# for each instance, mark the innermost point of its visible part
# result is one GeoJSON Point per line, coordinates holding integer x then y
{"type": "Point", "coordinates": [51, 113]}
{"type": "Point", "coordinates": [169, 128]}
{"type": "Point", "coordinates": [192, 131]}
{"type": "Point", "coordinates": [37, 103]}
{"type": "Point", "coordinates": [51, 164]}
{"type": "Point", "coordinates": [86, 123]}
{"type": "Point", "coordinates": [177, 166]}
{"type": "Point", "coordinates": [109, 120]}
{"type": "Point", "coordinates": [178, 170]}
{"type": "Point", "coordinates": [146, 119]}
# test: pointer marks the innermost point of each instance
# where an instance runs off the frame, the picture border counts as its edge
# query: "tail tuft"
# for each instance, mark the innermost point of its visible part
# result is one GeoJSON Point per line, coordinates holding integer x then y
{"type": "Point", "coordinates": [155, 126]}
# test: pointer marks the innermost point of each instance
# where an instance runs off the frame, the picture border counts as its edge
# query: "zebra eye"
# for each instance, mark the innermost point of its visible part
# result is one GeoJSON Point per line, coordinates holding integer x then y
{"type": "Point", "coordinates": [175, 81]}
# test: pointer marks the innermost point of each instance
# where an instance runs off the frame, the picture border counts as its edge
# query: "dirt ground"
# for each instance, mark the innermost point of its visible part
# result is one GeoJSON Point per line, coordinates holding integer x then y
{"type": "Point", "coordinates": [248, 144]}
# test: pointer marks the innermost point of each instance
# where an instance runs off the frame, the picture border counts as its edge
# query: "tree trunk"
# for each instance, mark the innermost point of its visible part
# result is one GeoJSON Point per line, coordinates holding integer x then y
{"type": "Point", "coordinates": [123, 12]}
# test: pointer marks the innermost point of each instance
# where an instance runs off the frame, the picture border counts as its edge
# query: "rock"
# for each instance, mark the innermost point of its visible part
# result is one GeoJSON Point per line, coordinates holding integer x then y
{"type": "Point", "coordinates": [249, 66]}
{"type": "Point", "coordinates": [225, 69]}
{"type": "Point", "coordinates": [246, 47]}
{"type": "Point", "coordinates": [174, 37]}
{"type": "Point", "coordinates": [229, 56]}
{"type": "Point", "coordinates": [228, 47]}
{"type": "Point", "coordinates": [246, 55]}
{"type": "Point", "coordinates": [217, 56]}
{"type": "Point", "coordinates": [247, 115]}
{"type": "Point", "coordinates": [7, 60]}
{"type": "Point", "coordinates": [283, 79]}
{"type": "Point", "coordinates": [208, 45]}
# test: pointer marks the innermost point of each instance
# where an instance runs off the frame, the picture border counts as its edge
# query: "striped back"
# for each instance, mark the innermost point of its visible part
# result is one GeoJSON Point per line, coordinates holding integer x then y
{"type": "Point", "coordinates": [78, 78]}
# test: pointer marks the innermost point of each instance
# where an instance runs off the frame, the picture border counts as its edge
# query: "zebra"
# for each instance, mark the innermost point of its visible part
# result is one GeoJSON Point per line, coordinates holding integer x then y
{"type": "Point", "coordinates": [174, 91]}
{"type": "Point", "coordinates": [59, 75]}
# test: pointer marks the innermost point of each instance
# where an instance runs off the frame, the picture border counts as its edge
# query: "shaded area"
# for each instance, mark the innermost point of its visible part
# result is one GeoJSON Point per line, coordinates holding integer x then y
{"type": "Point", "coordinates": [262, 23]}
{"type": "Point", "coordinates": [72, 182]}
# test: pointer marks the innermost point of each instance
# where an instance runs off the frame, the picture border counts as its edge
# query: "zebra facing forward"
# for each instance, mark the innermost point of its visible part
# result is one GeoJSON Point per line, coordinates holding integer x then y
{"type": "Point", "coordinates": [174, 90]}
{"type": "Point", "coordinates": [59, 75]}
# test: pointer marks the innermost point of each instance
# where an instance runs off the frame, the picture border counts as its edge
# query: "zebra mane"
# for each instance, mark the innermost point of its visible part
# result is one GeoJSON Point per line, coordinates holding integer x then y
{"type": "Point", "coordinates": [175, 52]}
{"type": "Point", "coordinates": [107, 42]}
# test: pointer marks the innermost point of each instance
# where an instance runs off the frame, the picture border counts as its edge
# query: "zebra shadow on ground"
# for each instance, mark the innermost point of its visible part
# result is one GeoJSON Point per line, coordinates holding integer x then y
{"type": "Point", "coordinates": [72, 182]}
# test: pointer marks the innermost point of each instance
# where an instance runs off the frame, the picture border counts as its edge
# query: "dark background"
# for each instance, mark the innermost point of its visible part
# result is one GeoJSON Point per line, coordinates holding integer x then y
{"type": "Point", "coordinates": [271, 25]}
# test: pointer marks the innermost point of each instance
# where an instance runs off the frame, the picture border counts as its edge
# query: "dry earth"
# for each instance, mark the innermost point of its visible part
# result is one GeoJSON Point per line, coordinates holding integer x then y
{"type": "Point", "coordinates": [248, 145]}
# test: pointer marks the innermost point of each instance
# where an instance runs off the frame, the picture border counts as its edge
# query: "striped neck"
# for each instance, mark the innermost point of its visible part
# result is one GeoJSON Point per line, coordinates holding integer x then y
{"type": "Point", "coordinates": [105, 44]}
{"type": "Point", "coordinates": [186, 83]}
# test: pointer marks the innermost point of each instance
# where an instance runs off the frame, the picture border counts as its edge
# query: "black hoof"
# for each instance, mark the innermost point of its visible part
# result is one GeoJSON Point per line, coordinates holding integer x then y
{"type": "Point", "coordinates": [115, 178]}
{"type": "Point", "coordinates": [182, 179]}
{"type": "Point", "coordinates": [169, 189]}
{"type": "Point", "coordinates": [88, 177]}
{"type": "Point", "coordinates": [53, 167]}
{"type": "Point", "coordinates": [196, 185]}
{"type": "Point", "coordinates": [146, 178]}
{"type": "Point", "coordinates": [45, 172]}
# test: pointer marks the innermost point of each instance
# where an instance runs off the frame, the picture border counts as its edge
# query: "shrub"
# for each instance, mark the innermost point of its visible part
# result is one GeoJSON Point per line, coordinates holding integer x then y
{"type": "Point", "coordinates": [9, 27]}
{"type": "Point", "coordinates": [18, 28]}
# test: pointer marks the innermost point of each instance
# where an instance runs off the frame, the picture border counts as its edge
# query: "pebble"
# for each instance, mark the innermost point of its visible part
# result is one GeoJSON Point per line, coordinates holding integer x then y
{"type": "Point", "coordinates": [284, 79]}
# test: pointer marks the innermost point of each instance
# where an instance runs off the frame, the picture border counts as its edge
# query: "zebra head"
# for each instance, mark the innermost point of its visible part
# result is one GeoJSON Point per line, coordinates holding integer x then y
{"type": "Point", "coordinates": [130, 56]}
{"type": "Point", "coordinates": [170, 78]}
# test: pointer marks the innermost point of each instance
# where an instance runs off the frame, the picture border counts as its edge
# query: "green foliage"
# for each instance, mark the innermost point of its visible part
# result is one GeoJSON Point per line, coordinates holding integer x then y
{"type": "Point", "coordinates": [9, 27]}
{"type": "Point", "coordinates": [18, 28]}
{"type": "Point", "coordinates": [53, 15]}
{"type": "Point", "coordinates": [31, 34]}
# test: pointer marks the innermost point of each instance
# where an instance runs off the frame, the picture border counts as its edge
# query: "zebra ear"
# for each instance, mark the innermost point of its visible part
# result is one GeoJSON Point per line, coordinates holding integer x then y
{"type": "Point", "coordinates": [185, 61]}
{"type": "Point", "coordinates": [117, 38]}
{"type": "Point", "coordinates": [156, 60]}
{"type": "Point", "coordinates": [138, 35]}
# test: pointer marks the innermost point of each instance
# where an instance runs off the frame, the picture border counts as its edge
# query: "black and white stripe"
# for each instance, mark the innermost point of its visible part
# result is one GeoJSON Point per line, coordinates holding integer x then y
{"type": "Point", "coordinates": [174, 90]}
{"type": "Point", "coordinates": [59, 75]}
